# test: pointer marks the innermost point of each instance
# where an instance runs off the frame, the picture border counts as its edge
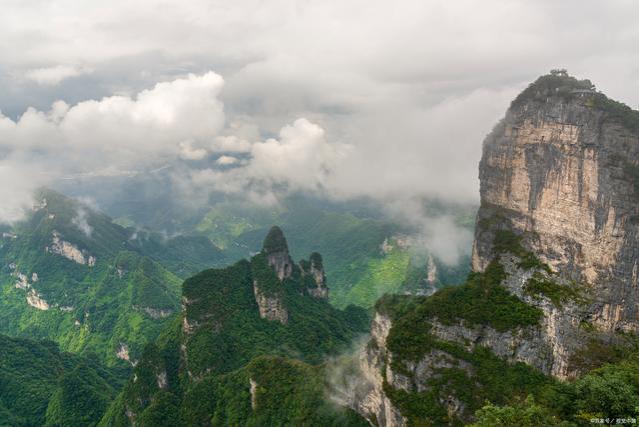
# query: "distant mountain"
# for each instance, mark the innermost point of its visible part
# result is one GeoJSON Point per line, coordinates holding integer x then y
{"type": "Point", "coordinates": [71, 275]}
{"type": "Point", "coordinates": [39, 385]}
{"type": "Point", "coordinates": [366, 255]}
{"type": "Point", "coordinates": [351, 234]}
{"type": "Point", "coordinates": [247, 349]}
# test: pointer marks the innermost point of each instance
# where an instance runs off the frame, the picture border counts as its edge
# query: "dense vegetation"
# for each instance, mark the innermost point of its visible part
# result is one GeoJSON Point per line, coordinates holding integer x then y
{"type": "Point", "coordinates": [349, 235]}
{"type": "Point", "coordinates": [559, 84]}
{"type": "Point", "coordinates": [556, 84]}
{"type": "Point", "coordinates": [482, 300]}
{"type": "Point", "coordinates": [115, 294]}
{"type": "Point", "coordinates": [199, 370]}
{"type": "Point", "coordinates": [496, 392]}
{"type": "Point", "coordinates": [287, 392]}
{"type": "Point", "coordinates": [518, 394]}
{"type": "Point", "coordinates": [39, 385]}
{"type": "Point", "coordinates": [607, 393]}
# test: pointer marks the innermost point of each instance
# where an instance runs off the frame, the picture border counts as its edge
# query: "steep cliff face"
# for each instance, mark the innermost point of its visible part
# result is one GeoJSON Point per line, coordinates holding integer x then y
{"type": "Point", "coordinates": [307, 277]}
{"type": "Point", "coordinates": [314, 269]}
{"type": "Point", "coordinates": [561, 171]}
{"type": "Point", "coordinates": [555, 267]}
{"type": "Point", "coordinates": [369, 398]}
{"type": "Point", "coordinates": [271, 307]}
{"type": "Point", "coordinates": [276, 251]}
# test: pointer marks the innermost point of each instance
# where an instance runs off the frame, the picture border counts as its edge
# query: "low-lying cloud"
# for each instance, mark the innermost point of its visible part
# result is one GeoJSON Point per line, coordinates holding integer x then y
{"type": "Point", "coordinates": [118, 134]}
{"type": "Point", "coordinates": [339, 99]}
{"type": "Point", "coordinates": [51, 76]}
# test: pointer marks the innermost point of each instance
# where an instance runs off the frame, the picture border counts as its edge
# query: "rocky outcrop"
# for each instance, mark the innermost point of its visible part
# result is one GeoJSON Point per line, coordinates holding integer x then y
{"type": "Point", "coordinates": [548, 346]}
{"type": "Point", "coordinates": [314, 268]}
{"type": "Point", "coordinates": [560, 170]}
{"type": "Point", "coordinates": [122, 352]}
{"type": "Point", "coordinates": [269, 291]}
{"type": "Point", "coordinates": [34, 299]}
{"type": "Point", "coordinates": [369, 398]}
{"type": "Point", "coordinates": [253, 391]}
{"type": "Point", "coordinates": [157, 313]}
{"type": "Point", "coordinates": [277, 255]}
{"type": "Point", "coordinates": [559, 216]}
{"type": "Point", "coordinates": [69, 251]}
{"type": "Point", "coordinates": [272, 306]}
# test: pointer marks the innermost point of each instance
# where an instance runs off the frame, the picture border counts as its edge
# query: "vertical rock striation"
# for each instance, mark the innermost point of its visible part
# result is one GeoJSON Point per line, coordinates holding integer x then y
{"type": "Point", "coordinates": [271, 306]}
{"type": "Point", "coordinates": [561, 170]}
{"type": "Point", "coordinates": [314, 269]}
{"type": "Point", "coordinates": [277, 255]}
{"type": "Point", "coordinates": [556, 239]}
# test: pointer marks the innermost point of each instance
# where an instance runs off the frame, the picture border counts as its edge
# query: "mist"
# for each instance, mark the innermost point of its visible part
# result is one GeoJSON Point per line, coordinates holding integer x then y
{"type": "Point", "coordinates": [339, 101]}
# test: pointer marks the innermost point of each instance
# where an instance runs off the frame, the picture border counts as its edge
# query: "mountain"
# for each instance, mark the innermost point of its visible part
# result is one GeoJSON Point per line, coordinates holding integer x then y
{"type": "Point", "coordinates": [71, 275]}
{"type": "Point", "coordinates": [247, 349]}
{"type": "Point", "coordinates": [366, 254]}
{"type": "Point", "coordinates": [553, 294]}
{"type": "Point", "coordinates": [39, 385]}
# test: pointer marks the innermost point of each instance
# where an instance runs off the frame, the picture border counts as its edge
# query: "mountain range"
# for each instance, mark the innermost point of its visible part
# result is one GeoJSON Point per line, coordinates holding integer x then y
{"type": "Point", "coordinates": [342, 320]}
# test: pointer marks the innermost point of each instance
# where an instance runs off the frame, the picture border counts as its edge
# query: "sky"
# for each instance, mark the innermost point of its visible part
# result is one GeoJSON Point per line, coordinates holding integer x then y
{"type": "Point", "coordinates": [383, 99]}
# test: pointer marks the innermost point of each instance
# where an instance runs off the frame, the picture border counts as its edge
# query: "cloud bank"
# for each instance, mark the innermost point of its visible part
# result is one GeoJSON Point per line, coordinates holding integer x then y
{"type": "Point", "coordinates": [51, 76]}
{"type": "Point", "coordinates": [115, 135]}
{"type": "Point", "coordinates": [364, 98]}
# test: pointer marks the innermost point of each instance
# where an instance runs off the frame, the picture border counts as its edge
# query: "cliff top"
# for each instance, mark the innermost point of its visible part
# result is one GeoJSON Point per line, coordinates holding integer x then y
{"type": "Point", "coordinates": [559, 84]}
{"type": "Point", "coordinates": [556, 83]}
{"type": "Point", "coordinates": [275, 241]}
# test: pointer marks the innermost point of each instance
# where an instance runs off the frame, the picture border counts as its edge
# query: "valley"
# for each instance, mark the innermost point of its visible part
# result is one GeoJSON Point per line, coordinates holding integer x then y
{"type": "Point", "coordinates": [322, 312]}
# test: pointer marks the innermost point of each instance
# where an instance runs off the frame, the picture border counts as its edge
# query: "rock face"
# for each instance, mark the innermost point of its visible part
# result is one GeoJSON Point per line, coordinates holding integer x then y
{"type": "Point", "coordinates": [315, 269]}
{"type": "Point", "coordinates": [270, 293]}
{"type": "Point", "coordinates": [369, 398]}
{"type": "Point", "coordinates": [122, 352]}
{"type": "Point", "coordinates": [561, 171]}
{"type": "Point", "coordinates": [69, 251]}
{"type": "Point", "coordinates": [35, 300]}
{"type": "Point", "coordinates": [253, 391]}
{"type": "Point", "coordinates": [271, 307]}
{"type": "Point", "coordinates": [559, 210]}
{"type": "Point", "coordinates": [276, 250]}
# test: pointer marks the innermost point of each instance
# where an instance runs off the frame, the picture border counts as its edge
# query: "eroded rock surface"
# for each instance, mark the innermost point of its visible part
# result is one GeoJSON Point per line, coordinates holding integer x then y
{"type": "Point", "coordinates": [69, 251]}
{"type": "Point", "coordinates": [560, 173]}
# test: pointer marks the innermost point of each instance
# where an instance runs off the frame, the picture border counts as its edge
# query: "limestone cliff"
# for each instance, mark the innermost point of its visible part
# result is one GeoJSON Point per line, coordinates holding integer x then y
{"type": "Point", "coordinates": [369, 398]}
{"type": "Point", "coordinates": [307, 277]}
{"type": "Point", "coordinates": [555, 262]}
{"type": "Point", "coordinates": [276, 251]}
{"type": "Point", "coordinates": [270, 305]}
{"type": "Point", "coordinates": [561, 170]}
{"type": "Point", "coordinates": [314, 270]}
{"type": "Point", "coordinates": [269, 292]}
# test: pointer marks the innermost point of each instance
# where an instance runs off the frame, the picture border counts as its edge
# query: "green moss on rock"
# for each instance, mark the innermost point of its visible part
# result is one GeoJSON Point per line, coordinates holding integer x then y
{"type": "Point", "coordinates": [275, 241]}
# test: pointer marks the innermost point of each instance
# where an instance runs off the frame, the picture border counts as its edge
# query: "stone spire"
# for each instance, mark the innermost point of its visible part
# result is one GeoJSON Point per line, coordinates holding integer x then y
{"type": "Point", "coordinates": [315, 269]}
{"type": "Point", "coordinates": [276, 251]}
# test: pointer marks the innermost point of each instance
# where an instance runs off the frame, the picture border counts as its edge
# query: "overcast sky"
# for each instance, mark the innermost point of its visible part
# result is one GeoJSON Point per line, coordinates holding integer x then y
{"type": "Point", "coordinates": [388, 99]}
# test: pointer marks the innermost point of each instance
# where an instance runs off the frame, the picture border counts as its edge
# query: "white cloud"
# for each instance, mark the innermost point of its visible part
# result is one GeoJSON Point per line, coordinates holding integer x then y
{"type": "Point", "coordinates": [404, 92]}
{"type": "Point", "coordinates": [231, 143]}
{"type": "Point", "coordinates": [16, 189]}
{"type": "Point", "coordinates": [226, 160]}
{"type": "Point", "coordinates": [300, 159]}
{"type": "Point", "coordinates": [51, 76]}
{"type": "Point", "coordinates": [188, 152]}
{"type": "Point", "coordinates": [80, 221]}
{"type": "Point", "coordinates": [112, 136]}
